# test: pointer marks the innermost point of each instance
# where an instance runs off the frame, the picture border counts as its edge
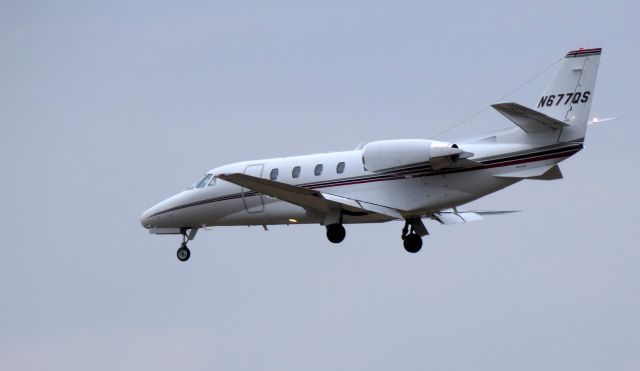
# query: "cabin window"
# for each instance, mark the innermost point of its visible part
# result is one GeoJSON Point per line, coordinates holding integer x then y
{"type": "Point", "coordinates": [318, 170]}
{"type": "Point", "coordinates": [296, 172]}
{"type": "Point", "coordinates": [274, 174]}
{"type": "Point", "coordinates": [204, 181]}
{"type": "Point", "coordinates": [340, 168]}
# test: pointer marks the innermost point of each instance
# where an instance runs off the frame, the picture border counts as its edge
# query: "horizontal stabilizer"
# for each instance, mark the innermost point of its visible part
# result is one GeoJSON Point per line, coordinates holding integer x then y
{"type": "Point", "coordinates": [308, 198]}
{"type": "Point", "coordinates": [549, 172]}
{"type": "Point", "coordinates": [531, 121]}
{"type": "Point", "coordinates": [453, 216]}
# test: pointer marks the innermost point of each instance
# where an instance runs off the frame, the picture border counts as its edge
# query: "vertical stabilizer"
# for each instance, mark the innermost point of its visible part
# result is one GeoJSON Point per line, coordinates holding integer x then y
{"type": "Point", "coordinates": [568, 96]}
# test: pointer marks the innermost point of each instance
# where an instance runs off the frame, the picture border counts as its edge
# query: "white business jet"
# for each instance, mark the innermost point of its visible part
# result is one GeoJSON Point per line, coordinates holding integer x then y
{"type": "Point", "coordinates": [404, 179]}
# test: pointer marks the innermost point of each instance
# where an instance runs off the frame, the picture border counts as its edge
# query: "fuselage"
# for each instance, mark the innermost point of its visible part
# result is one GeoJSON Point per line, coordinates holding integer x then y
{"type": "Point", "coordinates": [417, 190]}
{"type": "Point", "coordinates": [402, 179]}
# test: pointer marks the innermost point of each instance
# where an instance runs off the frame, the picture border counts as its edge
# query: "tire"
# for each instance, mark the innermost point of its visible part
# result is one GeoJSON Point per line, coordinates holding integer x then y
{"type": "Point", "coordinates": [183, 254]}
{"type": "Point", "coordinates": [336, 233]}
{"type": "Point", "coordinates": [412, 243]}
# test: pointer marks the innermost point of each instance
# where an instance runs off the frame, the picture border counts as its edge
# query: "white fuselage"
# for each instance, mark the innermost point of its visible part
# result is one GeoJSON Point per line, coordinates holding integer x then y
{"type": "Point", "coordinates": [418, 191]}
{"type": "Point", "coordinates": [398, 179]}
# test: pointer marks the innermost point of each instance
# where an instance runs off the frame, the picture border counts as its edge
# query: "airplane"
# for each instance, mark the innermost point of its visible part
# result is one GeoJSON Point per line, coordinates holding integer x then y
{"type": "Point", "coordinates": [400, 179]}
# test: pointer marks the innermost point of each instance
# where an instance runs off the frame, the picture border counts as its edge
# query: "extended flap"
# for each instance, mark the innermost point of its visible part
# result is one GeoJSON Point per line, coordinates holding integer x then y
{"type": "Point", "coordinates": [453, 216]}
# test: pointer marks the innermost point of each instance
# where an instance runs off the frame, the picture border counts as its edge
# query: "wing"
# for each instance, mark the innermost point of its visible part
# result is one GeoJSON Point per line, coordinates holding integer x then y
{"type": "Point", "coordinates": [324, 203]}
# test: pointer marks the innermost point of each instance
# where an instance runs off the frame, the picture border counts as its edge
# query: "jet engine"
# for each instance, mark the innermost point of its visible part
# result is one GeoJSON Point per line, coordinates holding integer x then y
{"type": "Point", "coordinates": [394, 154]}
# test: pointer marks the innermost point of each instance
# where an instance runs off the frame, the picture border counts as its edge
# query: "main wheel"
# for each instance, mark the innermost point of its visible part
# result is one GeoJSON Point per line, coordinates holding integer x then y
{"type": "Point", "coordinates": [183, 253]}
{"type": "Point", "coordinates": [412, 243]}
{"type": "Point", "coordinates": [336, 233]}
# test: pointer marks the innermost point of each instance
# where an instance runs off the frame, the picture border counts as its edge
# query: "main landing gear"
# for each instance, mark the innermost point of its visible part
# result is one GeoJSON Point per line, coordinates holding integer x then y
{"type": "Point", "coordinates": [412, 234]}
{"type": "Point", "coordinates": [183, 252]}
{"type": "Point", "coordinates": [336, 233]}
{"type": "Point", "coordinates": [411, 239]}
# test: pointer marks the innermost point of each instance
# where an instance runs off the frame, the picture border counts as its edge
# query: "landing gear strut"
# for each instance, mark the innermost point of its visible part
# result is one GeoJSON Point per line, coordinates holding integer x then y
{"type": "Point", "coordinates": [183, 252]}
{"type": "Point", "coordinates": [411, 240]}
{"type": "Point", "coordinates": [336, 233]}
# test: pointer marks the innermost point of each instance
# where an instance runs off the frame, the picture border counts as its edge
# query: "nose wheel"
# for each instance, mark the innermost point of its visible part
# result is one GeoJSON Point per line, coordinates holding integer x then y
{"type": "Point", "coordinates": [183, 252]}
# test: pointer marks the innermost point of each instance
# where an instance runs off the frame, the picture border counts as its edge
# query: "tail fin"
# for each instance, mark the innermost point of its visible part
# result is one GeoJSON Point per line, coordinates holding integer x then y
{"type": "Point", "coordinates": [568, 95]}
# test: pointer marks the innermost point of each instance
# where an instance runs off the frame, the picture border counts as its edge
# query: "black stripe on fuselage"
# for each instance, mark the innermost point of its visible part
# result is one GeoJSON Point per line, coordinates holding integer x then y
{"type": "Point", "coordinates": [425, 169]}
{"type": "Point", "coordinates": [539, 154]}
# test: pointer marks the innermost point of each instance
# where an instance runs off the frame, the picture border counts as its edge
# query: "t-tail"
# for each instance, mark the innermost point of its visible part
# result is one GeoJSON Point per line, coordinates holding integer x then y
{"type": "Point", "coordinates": [562, 112]}
{"type": "Point", "coordinates": [569, 94]}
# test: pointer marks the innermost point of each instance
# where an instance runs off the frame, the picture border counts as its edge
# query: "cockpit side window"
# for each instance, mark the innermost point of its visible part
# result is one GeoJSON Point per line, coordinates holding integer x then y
{"type": "Point", "coordinates": [213, 181]}
{"type": "Point", "coordinates": [204, 181]}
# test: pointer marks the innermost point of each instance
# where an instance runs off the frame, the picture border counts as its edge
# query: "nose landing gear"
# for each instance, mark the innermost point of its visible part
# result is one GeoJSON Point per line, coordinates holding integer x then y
{"type": "Point", "coordinates": [183, 252]}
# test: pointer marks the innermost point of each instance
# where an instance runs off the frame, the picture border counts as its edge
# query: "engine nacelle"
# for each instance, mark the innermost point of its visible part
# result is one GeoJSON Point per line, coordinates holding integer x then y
{"type": "Point", "coordinates": [394, 154]}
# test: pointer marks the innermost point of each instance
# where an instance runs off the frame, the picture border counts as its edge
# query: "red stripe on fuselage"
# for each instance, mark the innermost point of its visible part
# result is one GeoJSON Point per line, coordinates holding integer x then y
{"type": "Point", "coordinates": [412, 174]}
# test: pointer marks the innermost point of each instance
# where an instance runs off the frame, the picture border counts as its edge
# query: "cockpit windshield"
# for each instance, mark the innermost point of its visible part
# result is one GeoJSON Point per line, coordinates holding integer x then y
{"type": "Point", "coordinates": [202, 182]}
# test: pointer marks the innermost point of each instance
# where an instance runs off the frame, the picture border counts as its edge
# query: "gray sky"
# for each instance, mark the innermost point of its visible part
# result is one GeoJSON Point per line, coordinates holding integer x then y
{"type": "Point", "coordinates": [109, 107]}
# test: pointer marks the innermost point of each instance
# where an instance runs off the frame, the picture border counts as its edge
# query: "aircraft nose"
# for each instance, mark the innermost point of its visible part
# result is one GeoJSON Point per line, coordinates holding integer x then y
{"type": "Point", "coordinates": [145, 218]}
{"type": "Point", "coordinates": [161, 215]}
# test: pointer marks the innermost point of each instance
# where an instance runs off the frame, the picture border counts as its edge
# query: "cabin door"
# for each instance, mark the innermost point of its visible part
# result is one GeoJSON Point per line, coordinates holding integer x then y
{"type": "Point", "coordinates": [253, 201]}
